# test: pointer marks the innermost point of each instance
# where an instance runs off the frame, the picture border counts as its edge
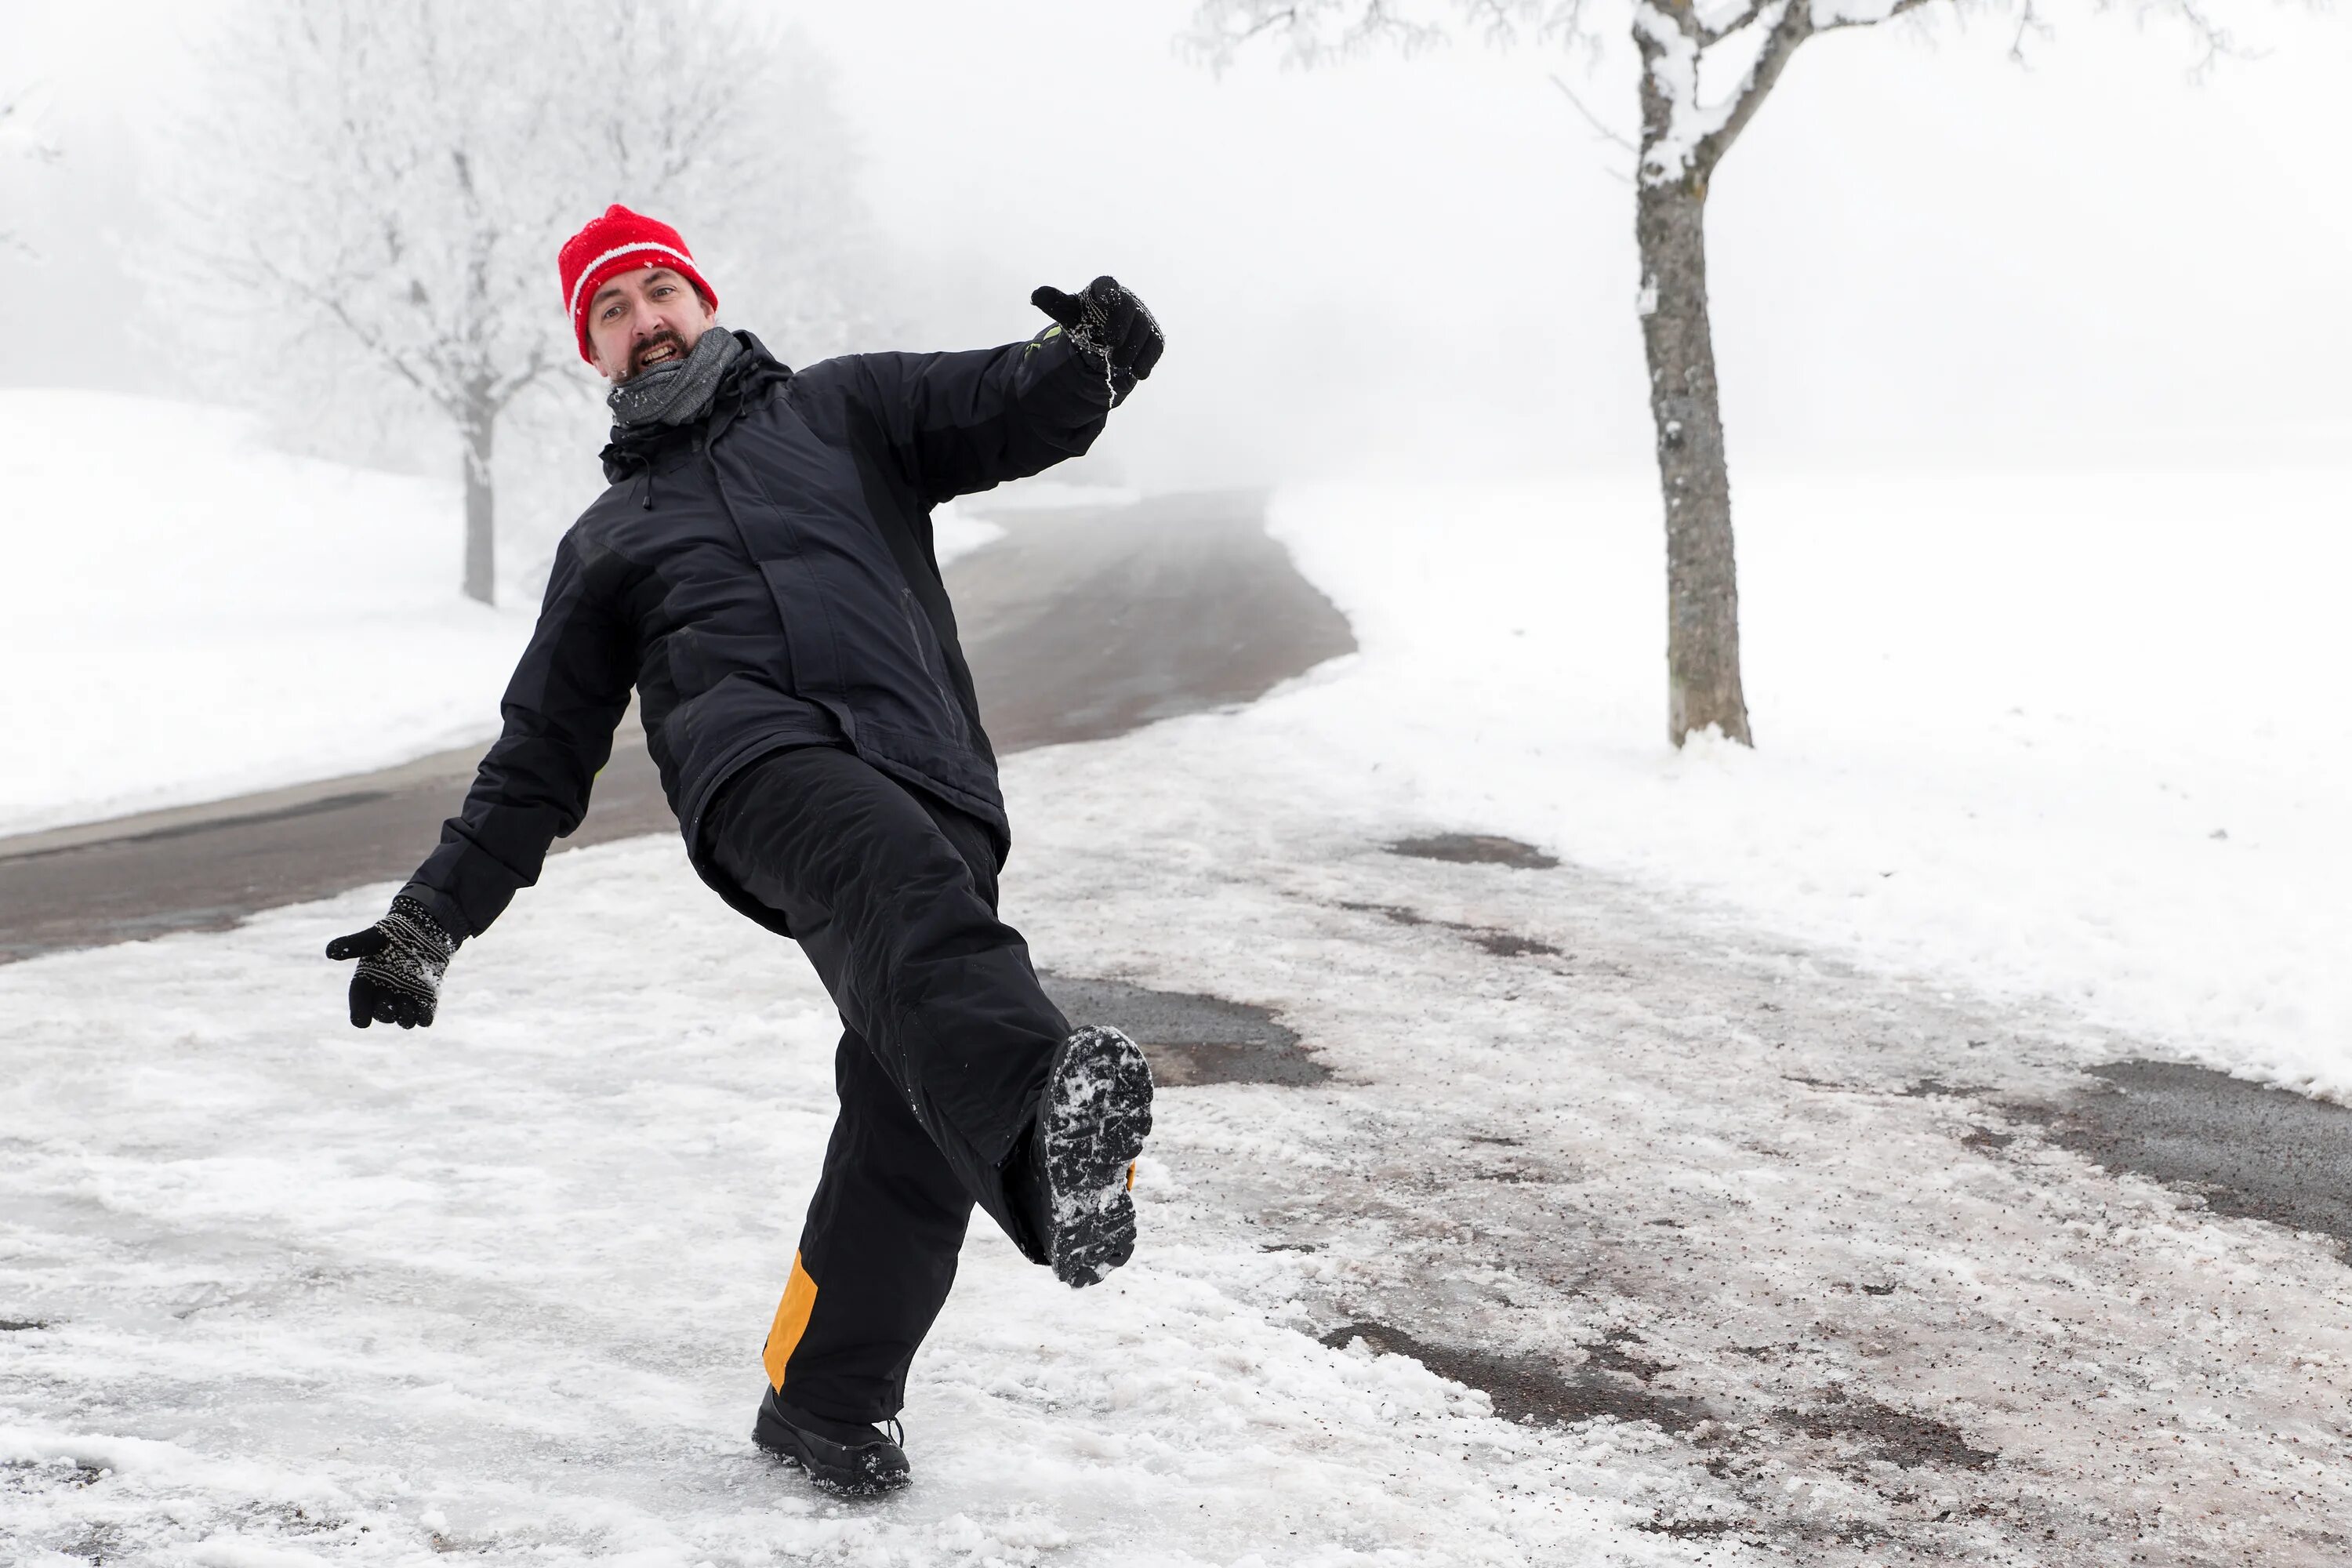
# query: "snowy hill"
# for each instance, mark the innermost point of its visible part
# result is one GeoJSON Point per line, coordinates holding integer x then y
{"type": "Point", "coordinates": [196, 614]}
{"type": "Point", "coordinates": [2074, 737]}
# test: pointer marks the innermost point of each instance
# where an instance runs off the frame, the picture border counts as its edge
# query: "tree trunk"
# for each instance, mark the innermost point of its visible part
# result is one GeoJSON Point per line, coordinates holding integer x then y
{"type": "Point", "coordinates": [478, 429]}
{"type": "Point", "coordinates": [1702, 584]}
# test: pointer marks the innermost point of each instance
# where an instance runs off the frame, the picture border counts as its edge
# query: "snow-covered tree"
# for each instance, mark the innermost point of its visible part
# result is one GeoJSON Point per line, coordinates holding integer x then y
{"type": "Point", "coordinates": [1705, 67]}
{"type": "Point", "coordinates": [386, 185]}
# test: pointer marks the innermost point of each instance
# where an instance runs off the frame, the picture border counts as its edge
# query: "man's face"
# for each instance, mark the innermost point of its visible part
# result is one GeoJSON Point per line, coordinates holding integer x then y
{"type": "Point", "coordinates": [641, 318]}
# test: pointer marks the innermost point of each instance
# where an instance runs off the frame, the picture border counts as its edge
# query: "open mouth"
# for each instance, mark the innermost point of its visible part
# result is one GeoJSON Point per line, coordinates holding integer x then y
{"type": "Point", "coordinates": [661, 351]}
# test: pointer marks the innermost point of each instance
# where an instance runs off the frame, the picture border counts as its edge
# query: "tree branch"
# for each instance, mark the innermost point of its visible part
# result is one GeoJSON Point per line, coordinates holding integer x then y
{"type": "Point", "coordinates": [1841, 22]}
{"type": "Point", "coordinates": [1685, 15]}
{"type": "Point", "coordinates": [1794, 26]}
{"type": "Point", "coordinates": [2029, 25]}
{"type": "Point", "coordinates": [1598, 126]}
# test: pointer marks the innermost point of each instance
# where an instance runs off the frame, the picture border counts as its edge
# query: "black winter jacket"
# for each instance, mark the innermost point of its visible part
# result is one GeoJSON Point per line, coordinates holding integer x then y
{"type": "Point", "coordinates": [765, 577]}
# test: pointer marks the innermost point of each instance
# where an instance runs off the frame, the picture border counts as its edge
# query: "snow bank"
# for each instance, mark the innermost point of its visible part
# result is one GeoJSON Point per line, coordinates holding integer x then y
{"type": "Point", "coordinates": [956, 533]}
{"type": "Point", "coordinates": [196, 614]}
{"type": "Point", "coordinates": [2079, 737]}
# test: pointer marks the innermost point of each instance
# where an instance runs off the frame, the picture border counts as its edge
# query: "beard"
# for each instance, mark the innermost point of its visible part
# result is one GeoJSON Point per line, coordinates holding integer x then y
{"type": "Point", "coordinates": [667, 335]}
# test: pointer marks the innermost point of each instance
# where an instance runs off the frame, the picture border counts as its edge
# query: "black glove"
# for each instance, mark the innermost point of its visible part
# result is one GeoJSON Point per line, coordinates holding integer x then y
{"type": "Point", "coordinates": [1111, 325]}
{"type": "Point", "coordinates": [402, 958]}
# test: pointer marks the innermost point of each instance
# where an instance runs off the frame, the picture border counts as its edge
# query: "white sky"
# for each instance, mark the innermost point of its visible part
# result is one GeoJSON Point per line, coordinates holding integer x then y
{"type": "Point", "coordinates": [1920, 255]}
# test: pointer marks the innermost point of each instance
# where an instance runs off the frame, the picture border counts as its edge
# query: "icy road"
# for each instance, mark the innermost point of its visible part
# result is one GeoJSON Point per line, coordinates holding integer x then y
{"type": "Point", "coordinates": [1605, 1229]}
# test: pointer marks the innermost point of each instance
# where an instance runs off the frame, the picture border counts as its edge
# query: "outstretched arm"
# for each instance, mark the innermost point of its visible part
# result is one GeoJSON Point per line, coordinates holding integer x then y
{"type": "Point", "coordinates": [569, 691]}
{"type": "Point", "coordinates": [965, 422]}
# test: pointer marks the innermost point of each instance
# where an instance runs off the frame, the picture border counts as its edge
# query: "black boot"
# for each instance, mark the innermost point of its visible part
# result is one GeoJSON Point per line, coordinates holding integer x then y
{"type": "Point", "coordinates": [840, 1456]}
{"type": "Point", "coordinates": [1078, 1160]}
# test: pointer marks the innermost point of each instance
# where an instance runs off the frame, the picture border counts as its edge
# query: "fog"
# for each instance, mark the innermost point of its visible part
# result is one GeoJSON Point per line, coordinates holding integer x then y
{"type": "Point", "coordinates": [1922, 254]}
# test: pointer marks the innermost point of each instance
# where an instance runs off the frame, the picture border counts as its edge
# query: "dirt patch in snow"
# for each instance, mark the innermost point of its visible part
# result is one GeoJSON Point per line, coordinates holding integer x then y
{"type": "Point", "coordinates": [1501, 943]}
{"type": "Point", "coordinates": [1191, 1039]}
{"type": "Point", "coordinates": [1475, 849]}
{"type": "Point", "coordinates": [1524, 1388]}
{"type": "Point", "coordinates": [1881, 1433]}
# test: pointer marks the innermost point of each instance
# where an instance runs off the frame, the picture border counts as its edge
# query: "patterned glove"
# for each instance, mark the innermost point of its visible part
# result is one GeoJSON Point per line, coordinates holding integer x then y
{"type": "Point", "coordinates": [1111, 325]}
{"type": "Point", "coordinates": [402, 958]}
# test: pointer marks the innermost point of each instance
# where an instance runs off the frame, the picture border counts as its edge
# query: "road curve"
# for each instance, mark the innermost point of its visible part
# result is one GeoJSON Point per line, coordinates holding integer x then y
{"type": "Point", "coordinates": [1080, 624]}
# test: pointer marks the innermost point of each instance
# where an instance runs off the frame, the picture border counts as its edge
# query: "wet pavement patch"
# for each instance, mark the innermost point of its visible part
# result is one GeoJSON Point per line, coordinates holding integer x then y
{"type": "Point", "coordinates": [1887, 1434]}
{"type": "Point", "coordinates": [1523, 1389]}
{"type": "Point", "coordinates": [1191, 1039]}
{"type": "Point", "coordinates": [1474, 850]}
{"type": "Point", "coordinates": [2249, 1150]}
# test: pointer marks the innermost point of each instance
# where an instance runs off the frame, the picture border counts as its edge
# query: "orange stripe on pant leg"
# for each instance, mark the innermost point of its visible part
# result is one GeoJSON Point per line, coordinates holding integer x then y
{"type": "Point", "coordinates": [791, 1322]}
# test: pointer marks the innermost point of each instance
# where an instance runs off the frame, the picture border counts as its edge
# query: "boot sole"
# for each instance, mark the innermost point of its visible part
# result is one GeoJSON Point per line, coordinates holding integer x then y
{"type": "Point", "coordinates": [1098, 1113]}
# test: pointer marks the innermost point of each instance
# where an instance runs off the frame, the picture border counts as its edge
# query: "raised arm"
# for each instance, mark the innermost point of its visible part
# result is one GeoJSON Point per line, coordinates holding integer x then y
{"type": "Point", "coordinates": [965, 422]}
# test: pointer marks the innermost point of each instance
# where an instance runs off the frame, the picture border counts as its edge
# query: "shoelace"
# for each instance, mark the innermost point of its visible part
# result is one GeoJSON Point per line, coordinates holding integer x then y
{"type": "Point", "coordinates": [898, 1432]}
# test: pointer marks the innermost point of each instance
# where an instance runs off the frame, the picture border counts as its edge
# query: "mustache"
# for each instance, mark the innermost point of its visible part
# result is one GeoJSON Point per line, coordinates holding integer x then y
{"type": "Point", "coordinates": [667, 335]}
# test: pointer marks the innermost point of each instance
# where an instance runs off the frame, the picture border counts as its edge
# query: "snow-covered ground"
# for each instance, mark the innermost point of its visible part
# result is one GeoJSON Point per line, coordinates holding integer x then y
{"type": "Point", "coordinates": [318, 1295]}
{"type": "Point", "coordinates": [2079, 737]}
{"type": "Point", "coordinates": [310, 1295]}
{"type": "Point", "coordinates": [1722, 1127]}
{"type": "Point", "coordinates": [198, 614]}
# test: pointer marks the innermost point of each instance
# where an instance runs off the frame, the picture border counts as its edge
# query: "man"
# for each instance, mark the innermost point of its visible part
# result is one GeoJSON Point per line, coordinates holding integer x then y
{"type": "Point", "coordinates": [761, 571]}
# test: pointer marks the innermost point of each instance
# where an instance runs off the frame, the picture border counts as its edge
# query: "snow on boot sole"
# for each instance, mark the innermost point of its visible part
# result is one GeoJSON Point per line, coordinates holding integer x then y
{"type": "Point", "coordinates": [1097, 1112]}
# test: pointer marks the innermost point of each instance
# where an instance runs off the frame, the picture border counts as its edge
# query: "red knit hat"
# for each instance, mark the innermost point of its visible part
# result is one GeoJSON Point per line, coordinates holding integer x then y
{"type": "Point", "coordinates": [620, 241]}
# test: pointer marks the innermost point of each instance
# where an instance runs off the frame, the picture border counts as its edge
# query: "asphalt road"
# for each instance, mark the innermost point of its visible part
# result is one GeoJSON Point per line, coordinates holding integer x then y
{"type": "Point", "coordinates": [1080, 624]}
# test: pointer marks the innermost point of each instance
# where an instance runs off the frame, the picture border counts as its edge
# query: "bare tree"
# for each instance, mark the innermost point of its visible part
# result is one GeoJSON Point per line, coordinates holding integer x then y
{"type": "Point", "coordinates": [394, 179]}
{"type": "Point", "coordinates": [1684, 136]}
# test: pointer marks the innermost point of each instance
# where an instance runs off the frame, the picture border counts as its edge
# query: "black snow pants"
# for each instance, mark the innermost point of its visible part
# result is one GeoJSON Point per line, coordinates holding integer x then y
{"type": "Point", "coordinates": [948, 1037]}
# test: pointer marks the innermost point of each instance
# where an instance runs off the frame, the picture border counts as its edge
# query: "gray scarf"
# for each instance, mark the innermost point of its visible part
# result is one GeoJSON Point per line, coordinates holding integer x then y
{"type": "Point", "coordinates": [678, 390]}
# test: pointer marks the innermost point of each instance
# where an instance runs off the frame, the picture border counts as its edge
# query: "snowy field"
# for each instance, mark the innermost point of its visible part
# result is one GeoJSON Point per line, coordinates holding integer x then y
{"type": "Point", "coordinates": [2072, 737]}
{"type": "Point", "coordinates": [201, 614]}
